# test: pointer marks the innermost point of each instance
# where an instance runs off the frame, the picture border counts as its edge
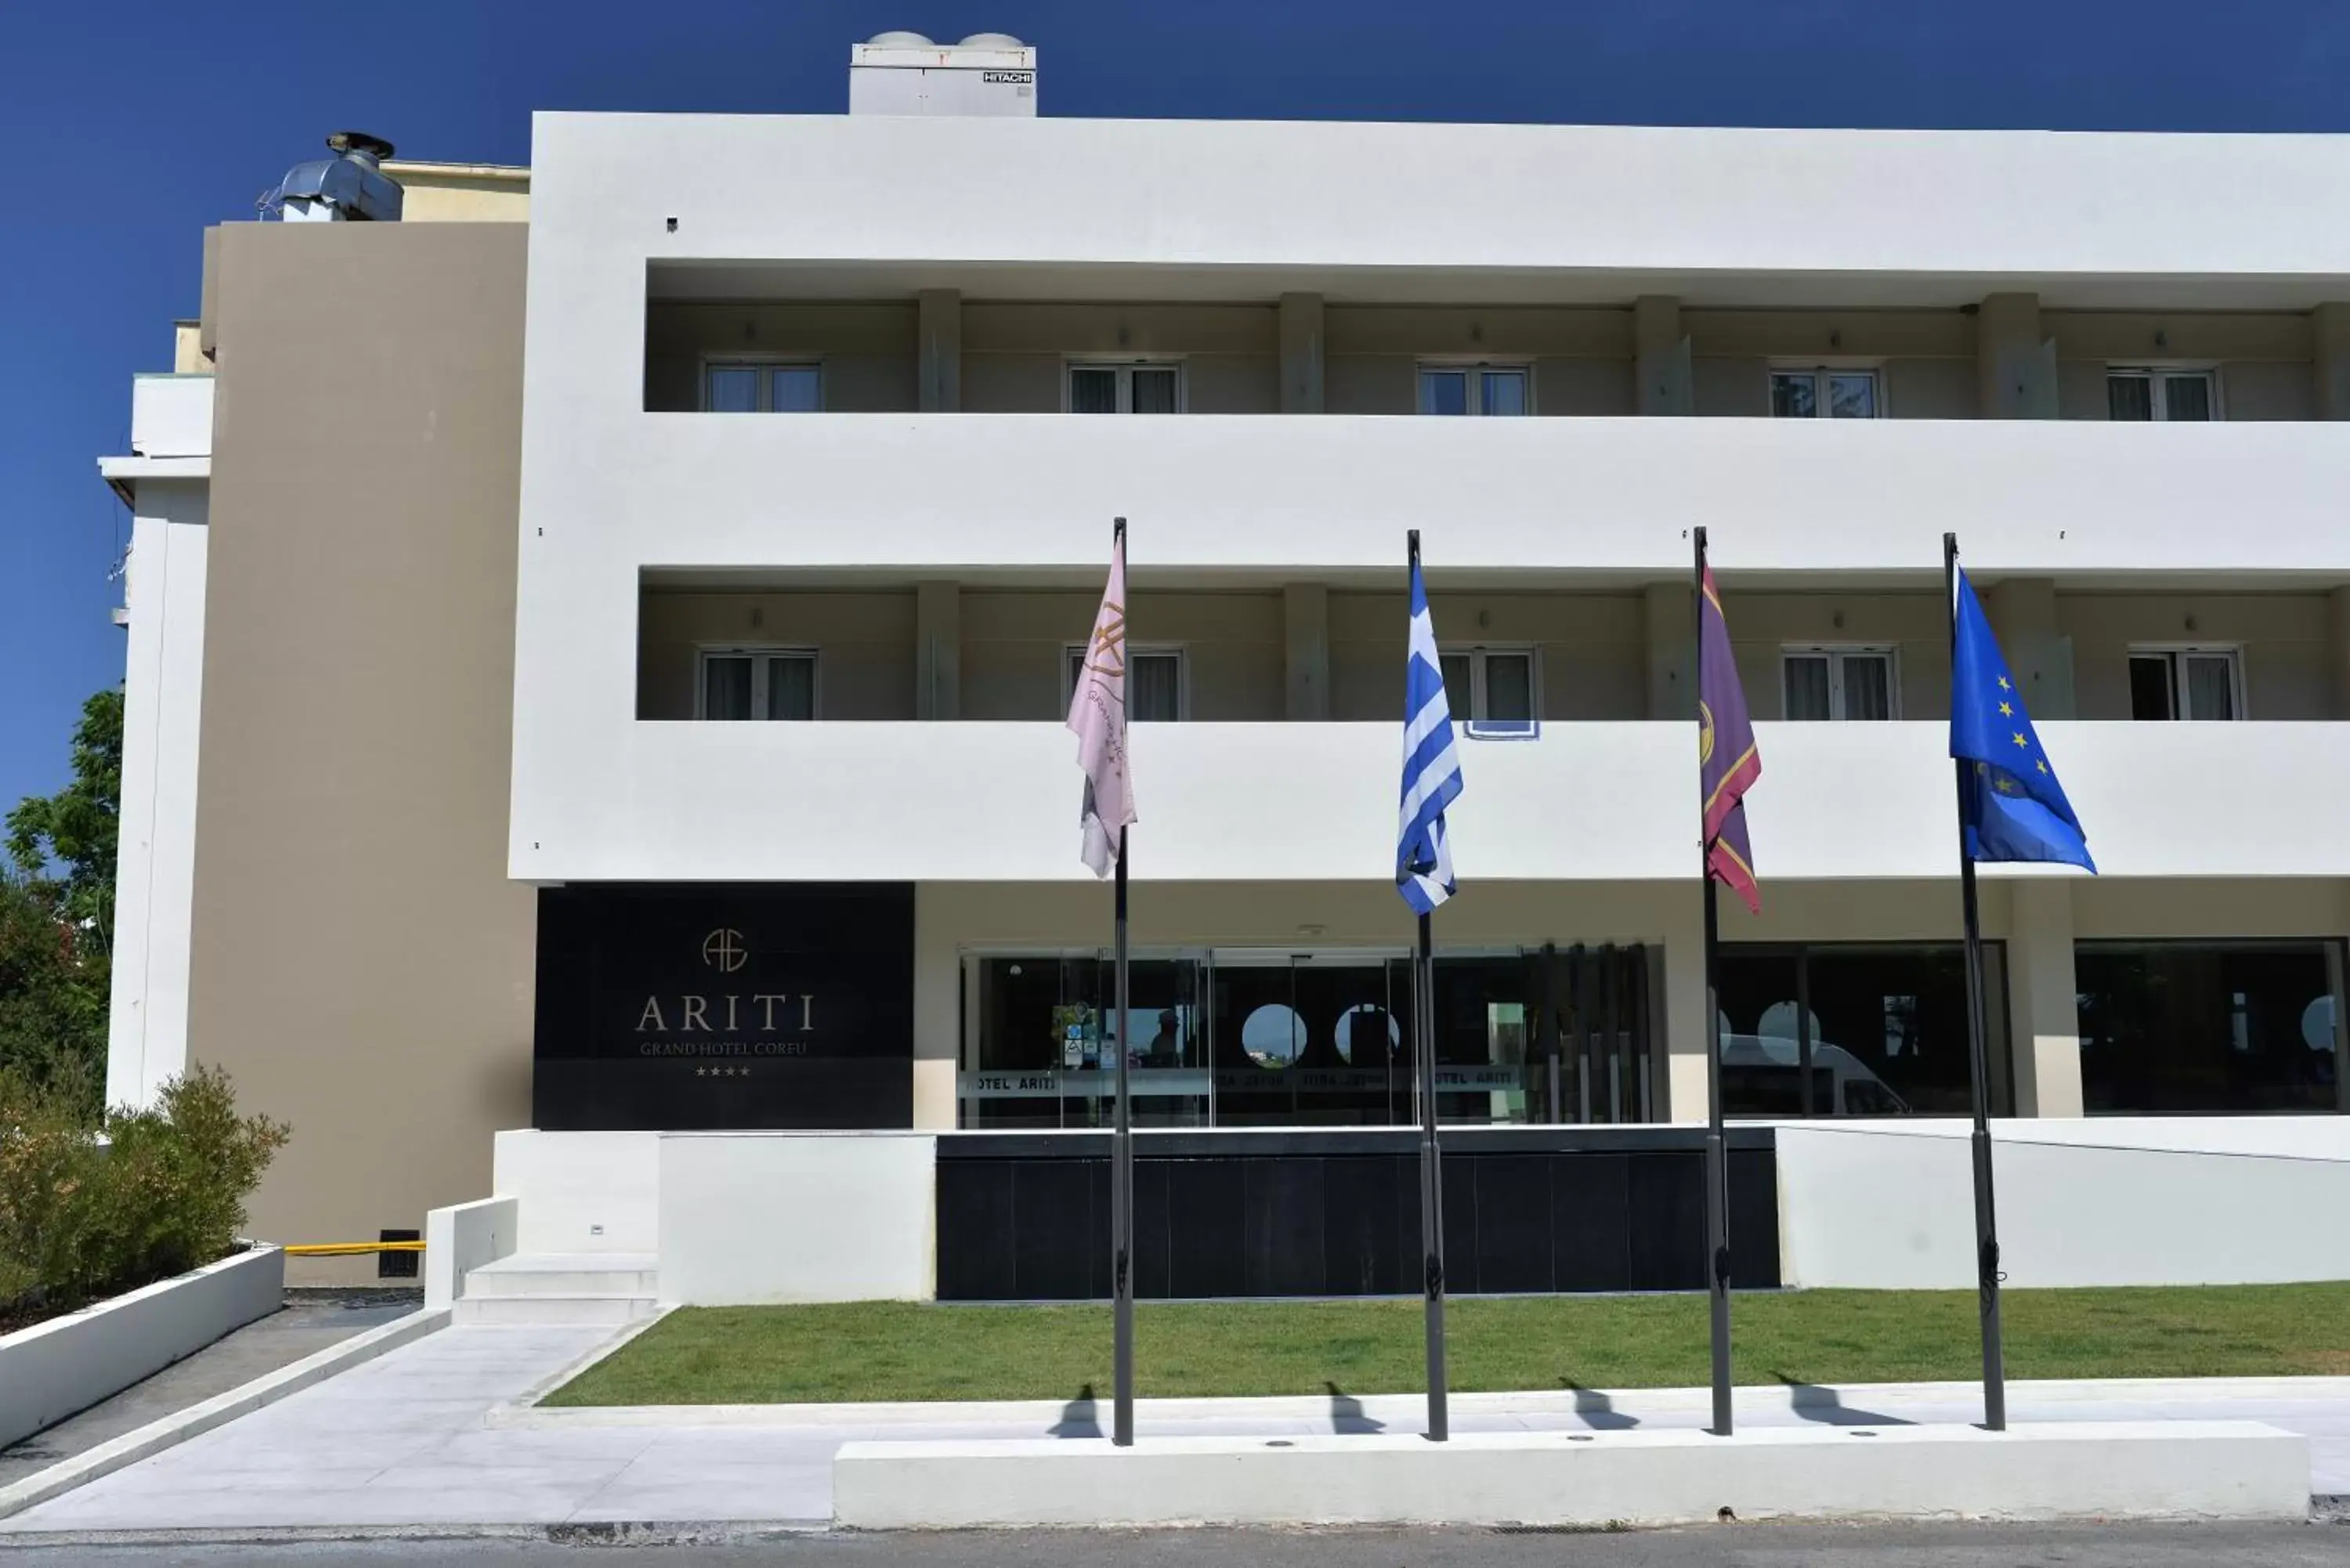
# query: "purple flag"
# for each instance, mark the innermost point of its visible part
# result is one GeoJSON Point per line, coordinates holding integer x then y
{"type": "Point", "coordinates": [1097, 717]}
{"type": "Point", "coordinates": [1726, 763]}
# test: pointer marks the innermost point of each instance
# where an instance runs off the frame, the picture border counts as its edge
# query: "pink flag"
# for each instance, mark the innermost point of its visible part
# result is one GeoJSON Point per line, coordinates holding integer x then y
{"type": "Point", "coordinates": [1098, 716]}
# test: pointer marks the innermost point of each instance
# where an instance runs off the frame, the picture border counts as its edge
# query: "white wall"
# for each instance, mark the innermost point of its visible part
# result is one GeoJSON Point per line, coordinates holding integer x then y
{"type": "Point", "coordinates": [797, 1217]}
{"type": "Point", "coordinates": [147, 1025]}
{"type": "Point", "coordinates": [2108, 1202]}
{"type": "Point", "coordinates": [1588, 801]}
{"type": "Point", "coordinates": [463, 1238]}
{"type": "Point", "coordinates": [1201, 194]}
{"type": "Point", "coordinates": [581, 1191]}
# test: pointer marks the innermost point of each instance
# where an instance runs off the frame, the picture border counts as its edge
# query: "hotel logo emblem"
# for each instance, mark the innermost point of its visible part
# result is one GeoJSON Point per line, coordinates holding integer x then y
{"type": "Point", "coordinates": [723, 950]}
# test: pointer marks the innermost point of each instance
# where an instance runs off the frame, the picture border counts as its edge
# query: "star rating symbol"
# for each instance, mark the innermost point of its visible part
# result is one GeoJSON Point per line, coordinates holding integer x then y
{"type": "Point", "coordinates": [721, 1072]}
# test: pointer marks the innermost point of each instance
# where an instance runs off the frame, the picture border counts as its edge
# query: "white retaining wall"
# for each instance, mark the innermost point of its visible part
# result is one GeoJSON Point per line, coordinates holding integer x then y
{"type": "Point", "coordinates": [2095, 1201]}
{"type": "Point", "coordinates": [53, 1369]}
{"type": "Point", "coordinates": [461, 1238]}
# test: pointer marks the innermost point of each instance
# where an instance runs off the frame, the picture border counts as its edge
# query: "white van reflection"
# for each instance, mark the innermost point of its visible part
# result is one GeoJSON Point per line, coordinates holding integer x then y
{"type": "Point", "coordinates": [1763, 1073]}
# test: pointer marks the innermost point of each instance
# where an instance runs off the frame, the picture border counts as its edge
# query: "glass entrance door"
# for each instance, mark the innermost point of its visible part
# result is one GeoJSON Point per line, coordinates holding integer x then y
{"type": "Point", "coordinates": [1309, 1039]}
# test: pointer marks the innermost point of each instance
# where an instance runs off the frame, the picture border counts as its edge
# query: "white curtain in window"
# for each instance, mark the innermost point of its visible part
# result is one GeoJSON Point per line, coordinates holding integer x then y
{"type": "Point", "coordinates": [1867, 687]}
{"type": "Point", "coordinates": [2211, 691]}
{"type": "Point", "coordinates": [726, 687]}
{"type": "Point", "coordinates": [1154, 690]}
{"type": "Point", "coordinates": [791, 688]}
{"type": "Point", "coordinates": [1154, 390]}
{"type": "Point", "coordinates": [1807, 687]}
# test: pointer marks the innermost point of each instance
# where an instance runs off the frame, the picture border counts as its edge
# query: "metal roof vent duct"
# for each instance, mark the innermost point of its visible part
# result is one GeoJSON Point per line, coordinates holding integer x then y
{"type": "Point", "coordinates": [349, 187]}
{"type": "Point", "coordinates": [906, 73]}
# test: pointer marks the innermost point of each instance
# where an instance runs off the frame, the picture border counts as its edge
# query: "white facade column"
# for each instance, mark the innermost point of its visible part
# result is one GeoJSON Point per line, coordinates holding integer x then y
{"type": "Point", "coordinates": [1305, 625]}
{"type": "Point", "coordinates": [938, 651]}
{"type": "Point", "coordinates": [2330, 332]}
{"type": "Point", "coordinates": [1662, 381]}
{"type": "Point", "coordinates": [2023, 615]}
{"type": "Point", "coordinates": [2015, 368]}
{"type": "Point", "coordinates": [2044, 1009]}
{"type": "Point", "coordinates": [940, 326]}
{"type": "Point", "coordinates": [1672, 643]}
{"type": "Point", "coordinates": [1301, 353]}
{"type": "Point", "coordinates": [154, 884]}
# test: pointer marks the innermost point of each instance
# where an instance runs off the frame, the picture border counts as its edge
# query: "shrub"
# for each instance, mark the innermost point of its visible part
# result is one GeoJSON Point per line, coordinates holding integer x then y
{"type": "Point", "coordinates": [164, 1191]}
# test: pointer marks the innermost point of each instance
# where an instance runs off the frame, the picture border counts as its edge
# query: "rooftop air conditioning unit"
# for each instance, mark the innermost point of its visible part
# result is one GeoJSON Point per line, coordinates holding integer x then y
{"type": "Point", "coordinates": [905, 73]}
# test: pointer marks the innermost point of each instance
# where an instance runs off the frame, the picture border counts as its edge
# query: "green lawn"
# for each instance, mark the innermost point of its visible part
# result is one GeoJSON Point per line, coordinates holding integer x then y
{"type": "Point", "coordinates": [882, 1350]}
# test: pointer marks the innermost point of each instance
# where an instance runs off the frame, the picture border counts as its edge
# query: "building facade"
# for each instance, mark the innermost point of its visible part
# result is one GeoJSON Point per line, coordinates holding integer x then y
{"type": "Point", "coordinates": [623, 708]}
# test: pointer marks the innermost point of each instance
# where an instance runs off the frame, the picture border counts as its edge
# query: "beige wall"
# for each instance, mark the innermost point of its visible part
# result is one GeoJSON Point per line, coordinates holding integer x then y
{"type": "Point", "coordinates": [1014, 643]}
{"type": "Point", "coordinates": [2264, 358]}
{"type": "Point", "coordinates": [461, 192]}
{"type": "Point", "coordinates": [864, 643]}
{"type": "Point", "coordinates": [1013, 354]}
{"type": "Point", "coordinates": [359, 962]}
{"type": "Point", "coordinates": [2286, 641]}
{"type": "Point", "coordinates": [1592, 649]}
{"type": "Point", "coordinates": [1763, 626]}
{"type": "Point", "coordinates": [1582, 358]}
{"type": "Point", "coordinates": [867, 350]}
{"type": "Point", "coordinates": [1925, 359]}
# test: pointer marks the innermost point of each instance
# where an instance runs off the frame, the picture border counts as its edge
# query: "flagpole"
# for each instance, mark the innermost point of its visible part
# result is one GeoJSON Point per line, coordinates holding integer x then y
{"type": "Point", "coordinates": [1979, 1066]}
{"type": "Point", "coordinates": [1121, 1171]}
{"type": "Point", "coordinates": [1431, 1178]}
{"type": "Point", "coordinates": [1717, 1159]}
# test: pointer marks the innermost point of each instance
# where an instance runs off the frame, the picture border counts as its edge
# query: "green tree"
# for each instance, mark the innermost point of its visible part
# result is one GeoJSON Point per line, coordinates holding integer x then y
{"type": "Point", "coordinates": [56, 914]}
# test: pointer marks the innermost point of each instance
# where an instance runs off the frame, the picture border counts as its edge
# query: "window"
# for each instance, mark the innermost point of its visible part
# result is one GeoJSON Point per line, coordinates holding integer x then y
{"type": "Point", "coordinates": [1840, 684]}
{"type": "Point", "coordinates": [1475, 390]}
{"type": "Point", "coordinates": [1135, 388]}
{"type": "Point", "coordinates": [756, 683]}
{"type": "Point", "coordinates": [1856, 1029]}
{"type": "Point", "coordinates": [2209, 1026]}
{"type": "Point", "coordinates": [1490, 685]}
{"type": "Point", "coordinates": [1825, 393]}
{"type": "Point", "coordinates": [2148, 394]}
{"type": "Point", "coordinates": [760, 386]}
{"type": "Point", "coordinates": [2186, 683]}
{"type": "Point", "coordinates": [1154, 682]}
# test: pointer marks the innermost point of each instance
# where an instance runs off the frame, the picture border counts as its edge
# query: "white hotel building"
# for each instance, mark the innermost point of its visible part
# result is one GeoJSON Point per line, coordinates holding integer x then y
{"type": "Point", "coordinates": [461, 538]}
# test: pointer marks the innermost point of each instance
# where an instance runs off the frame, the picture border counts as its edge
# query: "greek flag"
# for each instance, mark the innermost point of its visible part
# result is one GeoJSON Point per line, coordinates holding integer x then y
{"type": "Point", "coordinates": [1431, 765]}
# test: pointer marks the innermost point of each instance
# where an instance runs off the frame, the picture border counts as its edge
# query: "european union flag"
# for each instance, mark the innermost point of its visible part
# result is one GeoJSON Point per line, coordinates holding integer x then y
{"type": "Point", "coordinates": [2012, 807]}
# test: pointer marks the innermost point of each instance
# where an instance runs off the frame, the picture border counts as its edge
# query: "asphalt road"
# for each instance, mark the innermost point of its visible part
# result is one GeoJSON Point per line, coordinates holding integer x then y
{"type": "Point", "coordinates": [1732, 1546]}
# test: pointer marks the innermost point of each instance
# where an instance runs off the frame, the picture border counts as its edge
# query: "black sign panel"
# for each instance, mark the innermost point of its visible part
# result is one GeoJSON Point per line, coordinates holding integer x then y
{"type": "Point", "coordinates": [724, 1006]}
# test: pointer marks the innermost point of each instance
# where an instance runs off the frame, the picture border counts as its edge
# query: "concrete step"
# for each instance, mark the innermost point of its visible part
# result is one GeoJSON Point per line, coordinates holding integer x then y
{"type": "Point", "coordinates": [554, 1308]}
{"type": "Point", "coordinates": [567, 1275]}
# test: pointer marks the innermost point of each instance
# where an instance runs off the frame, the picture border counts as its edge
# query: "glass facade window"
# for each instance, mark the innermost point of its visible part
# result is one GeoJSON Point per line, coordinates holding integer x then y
{"type": "Point", "coordinates": [2208, 1026]}
{"type": "Point", "coordinates": [1249, 1037]}
{"type": "Point", "coordinates": [1882, 1026]}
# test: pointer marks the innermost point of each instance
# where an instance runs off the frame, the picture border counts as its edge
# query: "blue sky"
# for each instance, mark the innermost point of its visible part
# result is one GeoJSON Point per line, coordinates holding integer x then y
{"type": "Point", "coordinates": [126, 128]}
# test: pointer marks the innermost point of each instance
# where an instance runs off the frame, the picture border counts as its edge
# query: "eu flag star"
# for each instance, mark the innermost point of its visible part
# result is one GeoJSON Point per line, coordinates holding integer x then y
{"type": "Point", "coordinates": [2043, 764]}
{"type": "Point", "coordinates": [2004, 685]}
{"type": "Point", "coordinates": [2021, 740]}
{"type": "Point", "coordinates": [2007, 710]}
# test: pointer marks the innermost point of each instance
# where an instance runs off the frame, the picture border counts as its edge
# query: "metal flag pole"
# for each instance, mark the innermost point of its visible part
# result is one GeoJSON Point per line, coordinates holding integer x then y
{"type": "Point", "coordinates": [1121, 1172]}
{"type": "Point", "coordinates": [1995, 1356]}
{"type": "Point", "coordinates": [1717, 1158]}
{"type": "Point", "coordinates": [1431, 1175]}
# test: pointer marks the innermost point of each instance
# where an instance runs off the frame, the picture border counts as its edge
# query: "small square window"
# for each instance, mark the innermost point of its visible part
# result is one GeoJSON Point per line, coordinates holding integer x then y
{"type": "Point", "coordinates": [1154, 682]}
{"type": "Point", "coordinates": [1833, 684]}
{"type": "Point", "coordinates": [1824, 393]}
{"type": "Point", "coordinates": [1501, 390]}
{"type": "Point", "coordinates": [1136, 388]}
{"type": "Point", "coordinates": [761, 387]}
{"type": "Point", "coordinates": [740, 684]}
{"type": "Point", "coordinates": [1490, 685]}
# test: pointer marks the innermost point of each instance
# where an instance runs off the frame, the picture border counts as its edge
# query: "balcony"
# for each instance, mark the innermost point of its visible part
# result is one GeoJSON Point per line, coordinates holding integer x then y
{"type": "Point", "coordinates": [1232, 498]}
{"type": "Point", "coordinates": [1587, 802]}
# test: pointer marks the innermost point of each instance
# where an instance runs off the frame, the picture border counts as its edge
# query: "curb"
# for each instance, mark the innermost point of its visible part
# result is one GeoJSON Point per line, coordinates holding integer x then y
{"type": "Point", "coordinates": [716, 1532]}
{"type": "Point", "coordinates": [172, 1430]}
{"type": "Point", "coordinates": [1404, 1408]}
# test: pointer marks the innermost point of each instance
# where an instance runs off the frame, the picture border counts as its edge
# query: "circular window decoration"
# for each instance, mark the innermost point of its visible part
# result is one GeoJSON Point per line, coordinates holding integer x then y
{"type": "Point", "coordinates": [1360, 1024]}
{"type": "Point", "coordinates": [1273, 1035]}
{"type": "Point", "coordinates": [2317, 1024]}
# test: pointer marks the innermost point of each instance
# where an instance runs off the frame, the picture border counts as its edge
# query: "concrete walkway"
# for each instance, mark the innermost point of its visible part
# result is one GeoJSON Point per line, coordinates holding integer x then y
{"type": "Point", "coordinates": [429, 1436]}
{"type": "Point", "coordinates": [308, 1321]}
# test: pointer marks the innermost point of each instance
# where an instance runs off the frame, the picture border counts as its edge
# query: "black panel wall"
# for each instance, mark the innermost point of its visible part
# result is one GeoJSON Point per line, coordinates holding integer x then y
{"type": "Point", "coordinates": [1026, 1217]}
